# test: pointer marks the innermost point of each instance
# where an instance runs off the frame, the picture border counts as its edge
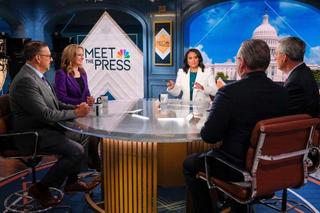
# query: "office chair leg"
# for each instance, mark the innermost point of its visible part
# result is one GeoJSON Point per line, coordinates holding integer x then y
{"type": "Point", "coordinates": [214, 197]}
{"type": "Point", "coordinates": [22, 202]}
{"type": "Point", "coordinates": [284, 200]}
{"type": "Point", "coordinates": [247, 210]}
{"type": "Point", "coordinates": [250, 206]}
{"type": "Point", "coordinates": [34, 177]}
{"type": "Point", "coordinates": [32, 163]}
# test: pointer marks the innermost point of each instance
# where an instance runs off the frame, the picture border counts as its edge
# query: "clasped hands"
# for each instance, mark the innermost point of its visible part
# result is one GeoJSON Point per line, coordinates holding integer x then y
{"type": "Point", "coordinates": [83, 109]}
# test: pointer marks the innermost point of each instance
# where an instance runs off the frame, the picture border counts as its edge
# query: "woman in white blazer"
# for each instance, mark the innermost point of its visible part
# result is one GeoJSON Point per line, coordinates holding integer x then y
{"type": "Point", "coordinates": [194, 80]}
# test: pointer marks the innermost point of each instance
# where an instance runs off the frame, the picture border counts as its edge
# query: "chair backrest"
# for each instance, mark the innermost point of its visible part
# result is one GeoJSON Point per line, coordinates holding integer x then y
{"type": "Point", "coordinates": [316, 137]}
{"type": "Point", "coordinates": [277, 153]}
{"type": "Point", "coordinates": [4, 119]}
{"type": "Point", "coordinates": [4, 113]}
{"type": "Point", "coordinates": [314, 153]}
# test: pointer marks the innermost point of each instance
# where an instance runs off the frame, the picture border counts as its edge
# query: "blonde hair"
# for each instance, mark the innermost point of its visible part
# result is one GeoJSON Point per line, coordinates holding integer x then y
{"type": "Point", "coordinates": [68, 55]}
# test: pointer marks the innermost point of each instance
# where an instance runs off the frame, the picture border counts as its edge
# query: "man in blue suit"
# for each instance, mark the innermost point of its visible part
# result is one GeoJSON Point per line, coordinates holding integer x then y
{"type": "Point", "coordinates": [301, 85]}
{"type": "Point", "coordinates": [236, 109]}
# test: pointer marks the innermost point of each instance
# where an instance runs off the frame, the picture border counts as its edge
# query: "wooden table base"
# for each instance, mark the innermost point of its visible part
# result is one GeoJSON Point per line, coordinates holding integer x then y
{"type": "Point", "coordinates": [132, 171]}
{"type": "Point", "coordinates": [130, 176]}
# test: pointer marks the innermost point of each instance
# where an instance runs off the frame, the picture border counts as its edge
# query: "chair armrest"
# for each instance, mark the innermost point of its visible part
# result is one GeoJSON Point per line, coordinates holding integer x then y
{"type": "Point", "coordinates": [246, 175]}
{"type": "Point", "coordinates": [24, 134]}
{"type": "Point", "coordinates": [283, 156]}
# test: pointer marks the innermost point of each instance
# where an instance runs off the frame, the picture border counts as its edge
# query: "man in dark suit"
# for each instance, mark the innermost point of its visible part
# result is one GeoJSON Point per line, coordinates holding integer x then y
{"type": "Point", "coordinates": [236, 109]}
{"type": "Point", "coordinates": [35, 108]}
{"type": "Point", "coordinates": [301, 85]}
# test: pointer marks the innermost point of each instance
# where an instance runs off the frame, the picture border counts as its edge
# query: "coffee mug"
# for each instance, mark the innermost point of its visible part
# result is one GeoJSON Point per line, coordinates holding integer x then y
{"type": "Point", "coordinates": [104, 99]}
{"type": "Point", "coordinates": [98, 109]}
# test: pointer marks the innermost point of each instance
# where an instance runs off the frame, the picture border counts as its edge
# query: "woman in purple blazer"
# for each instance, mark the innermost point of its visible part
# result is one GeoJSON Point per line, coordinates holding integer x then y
{"type": "Point", "coordinates": [71, 84]}
{"type": "Point", "coordinates": [71, 87]}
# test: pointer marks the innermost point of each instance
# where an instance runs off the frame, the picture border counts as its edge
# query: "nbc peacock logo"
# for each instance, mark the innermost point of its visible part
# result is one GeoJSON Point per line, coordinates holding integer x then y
{"type": "Point", "coordinates": [123, 54]}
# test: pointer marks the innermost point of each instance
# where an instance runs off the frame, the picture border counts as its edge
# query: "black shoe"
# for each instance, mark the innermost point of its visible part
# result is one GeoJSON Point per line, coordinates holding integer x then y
{"type": "Point", "coordinates": [223, 207]}
{"type": "Point", "coordinates": [80, 186]}
{"type": "Point", "coordinates": [44, 197]}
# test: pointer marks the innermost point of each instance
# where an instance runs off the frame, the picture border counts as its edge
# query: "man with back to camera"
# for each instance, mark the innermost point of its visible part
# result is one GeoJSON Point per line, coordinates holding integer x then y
{"type": "Point", "coordinates": [35, 107]}
{"type": "Point", "coordinates": [236, 109]}
{"type": "Point", "coordinates": [301, 85]}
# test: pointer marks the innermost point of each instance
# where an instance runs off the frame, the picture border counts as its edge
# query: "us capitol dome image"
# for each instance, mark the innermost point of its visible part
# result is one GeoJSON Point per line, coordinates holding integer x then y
{"type": "Point", "coordinates": [269, 34]}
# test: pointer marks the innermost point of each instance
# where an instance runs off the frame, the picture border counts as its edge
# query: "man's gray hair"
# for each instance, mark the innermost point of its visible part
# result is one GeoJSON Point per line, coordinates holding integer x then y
{"type": "Point", "coordinates": [255, 53]}
{"type": "Point", "coordinates": [293, 47]}
{"type": "Point", "coordinates": [32, 48]}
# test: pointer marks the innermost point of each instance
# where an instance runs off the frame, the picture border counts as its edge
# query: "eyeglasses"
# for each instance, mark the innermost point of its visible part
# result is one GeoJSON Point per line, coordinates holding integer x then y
{"type": "Point", "coordinates": [49, 56]}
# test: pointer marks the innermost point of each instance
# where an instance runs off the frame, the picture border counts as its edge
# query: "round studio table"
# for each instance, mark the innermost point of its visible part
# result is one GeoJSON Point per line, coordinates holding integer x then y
{"type": "Point", "coordinates": [143, 147]}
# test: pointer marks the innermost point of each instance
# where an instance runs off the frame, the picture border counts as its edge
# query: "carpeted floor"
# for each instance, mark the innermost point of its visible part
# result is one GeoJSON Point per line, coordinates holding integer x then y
{"type": "Point", "coordinates": [316, 175]}
{"type": "Point", "coordinates": [169, 199]}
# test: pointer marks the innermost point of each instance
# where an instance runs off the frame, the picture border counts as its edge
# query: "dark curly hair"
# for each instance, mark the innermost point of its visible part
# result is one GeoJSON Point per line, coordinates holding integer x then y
{"type": "Point", "coordinates": [185, 61]}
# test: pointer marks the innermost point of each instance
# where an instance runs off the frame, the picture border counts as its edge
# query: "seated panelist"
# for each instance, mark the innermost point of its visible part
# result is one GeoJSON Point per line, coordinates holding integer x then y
{"type": "Point", "coordinates": [236, 108]}
{"type": "Point", "coordinates": [194, 81]}
{"type": "Point", "coordinates": [71, 86]}
{"type": "Point", "coordinates": [35, 107]}
{"type": "Point", "coordinates": [301, 84]}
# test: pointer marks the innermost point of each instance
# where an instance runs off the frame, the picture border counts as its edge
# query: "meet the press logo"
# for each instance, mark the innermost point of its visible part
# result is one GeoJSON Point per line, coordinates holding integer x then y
{"type": "Point", "coordinates": [108, 58]}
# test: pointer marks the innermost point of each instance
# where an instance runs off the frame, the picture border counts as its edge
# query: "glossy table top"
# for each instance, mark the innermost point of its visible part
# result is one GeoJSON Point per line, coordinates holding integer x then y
{"type": "Point", "coordinates": [144, 120]}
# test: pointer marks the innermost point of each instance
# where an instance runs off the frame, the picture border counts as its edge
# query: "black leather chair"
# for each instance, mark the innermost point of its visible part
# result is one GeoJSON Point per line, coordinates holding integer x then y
{"type": "Point", "coordinates": [21, 201]}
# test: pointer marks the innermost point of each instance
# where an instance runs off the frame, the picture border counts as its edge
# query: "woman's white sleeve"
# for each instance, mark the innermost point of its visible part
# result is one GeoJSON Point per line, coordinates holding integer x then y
{"type": "Point", "coordinates": [176, 90]}
{"type": "Point", "coordinates": [210, 87]}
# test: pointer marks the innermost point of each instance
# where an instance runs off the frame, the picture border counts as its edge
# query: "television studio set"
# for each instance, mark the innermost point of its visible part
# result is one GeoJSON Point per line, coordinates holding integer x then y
{"type": "Point", "coordinates": [159, 106]}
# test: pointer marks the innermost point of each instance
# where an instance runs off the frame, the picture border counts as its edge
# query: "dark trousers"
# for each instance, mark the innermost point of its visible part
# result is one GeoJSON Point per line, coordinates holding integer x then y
{"type": "Point", "coordinates": [202, 201]}
{"type": "Point", "coordinates": [70, 155]}
{"type": "Point", "coordinates": [53, 141]}
{"type": "Point", "coordinates": [91, 146]}
{"type": "Point", "coordinates": [200, 195]}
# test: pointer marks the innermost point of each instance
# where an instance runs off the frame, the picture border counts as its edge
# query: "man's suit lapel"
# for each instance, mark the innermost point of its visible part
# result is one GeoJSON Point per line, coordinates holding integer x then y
{"type": "Point", "coordinates": [293, 74]}
{"type": "Point", "coordinates": [48, 91]}
{"type": "Point", "coordinates": [53, 95]}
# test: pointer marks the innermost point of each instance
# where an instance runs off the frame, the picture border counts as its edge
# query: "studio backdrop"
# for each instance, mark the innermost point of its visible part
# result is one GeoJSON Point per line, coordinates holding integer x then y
{"type": "Point", "coordinates": [113, 62]}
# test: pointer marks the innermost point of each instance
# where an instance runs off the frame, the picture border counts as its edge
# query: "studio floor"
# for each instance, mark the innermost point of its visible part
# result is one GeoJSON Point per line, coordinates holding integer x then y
{"type": "Point", "coordinates": [169, 199]}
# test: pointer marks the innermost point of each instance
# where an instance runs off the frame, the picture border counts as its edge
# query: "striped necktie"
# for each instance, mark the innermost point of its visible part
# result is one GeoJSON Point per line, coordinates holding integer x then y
{"type": "Point", "coordinates": [46, 82]}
